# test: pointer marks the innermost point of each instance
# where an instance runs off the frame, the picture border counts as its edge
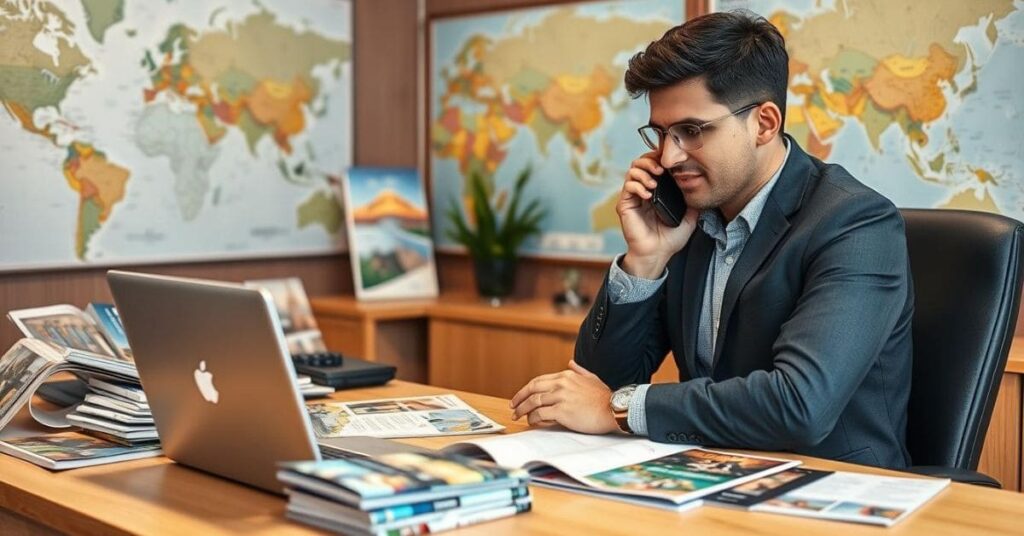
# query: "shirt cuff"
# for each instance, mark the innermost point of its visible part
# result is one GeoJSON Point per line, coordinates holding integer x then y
{"type": "Point", "coordinates": [625, 288]}
{"type": "Point", "coordinates": [637, 416]}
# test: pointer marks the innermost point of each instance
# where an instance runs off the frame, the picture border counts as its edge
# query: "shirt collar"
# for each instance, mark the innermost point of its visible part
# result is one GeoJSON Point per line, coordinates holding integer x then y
{"type": "Point", "coordinates": [711, 220]}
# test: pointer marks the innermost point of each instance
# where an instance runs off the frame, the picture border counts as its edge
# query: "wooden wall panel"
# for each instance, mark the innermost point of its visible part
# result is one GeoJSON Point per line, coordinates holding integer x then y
{"type": "Point", "coordinates": [386, 103]}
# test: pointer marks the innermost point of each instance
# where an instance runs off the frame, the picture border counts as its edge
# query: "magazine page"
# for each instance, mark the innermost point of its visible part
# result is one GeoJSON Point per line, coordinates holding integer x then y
{"type": "Point", "coordinates": [108, 321]}
{"type": "Point", "coordinates": [297, 321]}
{"type": "Point", "coordinates": [68, 327]}
{"type": "Point", "coordinates": [560, 481]}
{"type": "Point", "coordinates": [571, 452]}
{"type": "Point", "coordinates": [63, 325]}
{"type": "Point", "coordinates": [622, 464]}
{"type": "Point", "coordinates": [23, 369]}
{"type": "Point", "coordinates": [856, 497]}
{"type": "Point", "coordinates": [757, 491]}
{"type": "Point", "coordinates": [679, 477]}
{"type": "Point", "coordinates": [421, 416]}
{"type": "Point", "coordinates": [53, 417]}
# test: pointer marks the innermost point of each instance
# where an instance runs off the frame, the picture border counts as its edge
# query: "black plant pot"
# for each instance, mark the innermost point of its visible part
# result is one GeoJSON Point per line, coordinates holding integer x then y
{"type": "Point", "coordinates": [495, 278]}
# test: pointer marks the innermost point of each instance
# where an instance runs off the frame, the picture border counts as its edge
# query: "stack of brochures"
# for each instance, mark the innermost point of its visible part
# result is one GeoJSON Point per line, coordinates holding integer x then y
{"type": "Point", "coordinates": [117, 412]}
{"type": "Point", "coordinates": [95, 340]}
{"type": "Point", "coordinates": [403, 493]}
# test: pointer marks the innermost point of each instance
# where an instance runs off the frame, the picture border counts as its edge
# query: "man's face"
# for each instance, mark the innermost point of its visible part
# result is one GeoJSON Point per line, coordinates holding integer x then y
{"type": "Point", "coordinates": [723, 168]}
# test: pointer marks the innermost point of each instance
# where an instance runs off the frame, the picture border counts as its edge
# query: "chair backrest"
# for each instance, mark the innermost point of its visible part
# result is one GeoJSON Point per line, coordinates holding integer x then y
{"type": "Point", "coordinates": [966, 268]}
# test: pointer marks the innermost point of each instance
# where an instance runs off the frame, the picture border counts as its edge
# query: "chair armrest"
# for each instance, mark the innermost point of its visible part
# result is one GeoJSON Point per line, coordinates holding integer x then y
{"type": "Point", "coordinates": [965, 476]}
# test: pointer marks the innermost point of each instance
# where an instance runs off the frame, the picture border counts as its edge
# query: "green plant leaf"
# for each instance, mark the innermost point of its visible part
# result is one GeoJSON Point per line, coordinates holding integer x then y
{"type": "Point", "coordinates": [496, 237]}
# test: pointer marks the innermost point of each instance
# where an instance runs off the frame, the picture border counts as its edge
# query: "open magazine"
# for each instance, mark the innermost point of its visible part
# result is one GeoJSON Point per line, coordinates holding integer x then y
{"type": "Point", "coordinates": [627, 468]}
{"type": "Point", "coordinates": [82, 336]}
{"type": "Point", "coordinates": [838, 496]}
{"type": "Point", "coordinates": [26, 366]}
{"type": "Point", "coordinates": [420, 416]}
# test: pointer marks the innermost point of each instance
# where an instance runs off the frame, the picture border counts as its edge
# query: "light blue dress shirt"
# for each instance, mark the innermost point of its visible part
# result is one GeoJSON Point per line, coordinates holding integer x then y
{"type": "Point", "coordinates": [729, 242]}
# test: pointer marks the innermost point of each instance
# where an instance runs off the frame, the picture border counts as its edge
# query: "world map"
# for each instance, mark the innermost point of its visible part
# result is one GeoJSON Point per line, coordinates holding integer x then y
{"type": "Point", "coordinates": [175, 130]}
{"type": "Point", "coordinates": [541, 87]}
{"type": "Point", "coordinates": [921, 101]}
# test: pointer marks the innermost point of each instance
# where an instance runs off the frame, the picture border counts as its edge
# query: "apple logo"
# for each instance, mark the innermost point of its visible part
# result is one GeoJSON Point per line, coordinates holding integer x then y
{"type": "Point", "coordinates": [204, 381]}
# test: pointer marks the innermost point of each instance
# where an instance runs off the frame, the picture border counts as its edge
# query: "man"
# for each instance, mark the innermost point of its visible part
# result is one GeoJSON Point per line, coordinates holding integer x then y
{"type": "Point", "coordinates": [784, 296]}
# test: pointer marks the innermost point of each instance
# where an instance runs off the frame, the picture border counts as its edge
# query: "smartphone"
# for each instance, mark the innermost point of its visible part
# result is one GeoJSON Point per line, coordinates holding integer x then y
{"type": "Point", "coordinates": [669, 203]}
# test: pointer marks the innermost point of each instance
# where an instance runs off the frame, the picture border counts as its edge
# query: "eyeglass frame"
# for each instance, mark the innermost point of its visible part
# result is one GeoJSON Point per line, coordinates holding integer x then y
{"type": "Point", "coordinates": [662, 133]}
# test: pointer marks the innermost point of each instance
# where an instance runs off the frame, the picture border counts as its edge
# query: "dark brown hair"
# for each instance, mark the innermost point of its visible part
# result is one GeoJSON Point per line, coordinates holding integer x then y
{"type": "Point", "coordinates": [741, 56]}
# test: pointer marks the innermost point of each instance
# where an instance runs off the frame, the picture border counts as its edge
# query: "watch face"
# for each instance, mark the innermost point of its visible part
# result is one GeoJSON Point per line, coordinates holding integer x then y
{"type": "Point", "coordinates": [620, 398]}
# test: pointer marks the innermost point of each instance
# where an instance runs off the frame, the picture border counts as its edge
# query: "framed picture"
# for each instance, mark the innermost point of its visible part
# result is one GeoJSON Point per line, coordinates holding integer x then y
{"type": "Point", "coordinates": [389, 234]}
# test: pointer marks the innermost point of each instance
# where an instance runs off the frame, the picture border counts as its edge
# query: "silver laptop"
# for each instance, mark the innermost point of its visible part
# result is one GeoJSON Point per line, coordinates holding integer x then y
{"type": "Point", "coordinates": [218, 377]}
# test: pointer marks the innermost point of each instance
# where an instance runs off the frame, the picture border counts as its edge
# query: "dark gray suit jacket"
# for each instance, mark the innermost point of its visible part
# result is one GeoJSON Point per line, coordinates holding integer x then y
{"type": "Point", "coordinates": [814, 342]}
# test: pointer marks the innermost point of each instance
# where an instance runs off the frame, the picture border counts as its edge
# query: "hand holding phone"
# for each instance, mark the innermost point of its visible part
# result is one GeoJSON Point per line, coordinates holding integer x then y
{"type": "Point", "coordinates": [668, 201]}
{"type": "Point", "coordinates": [656, 221]}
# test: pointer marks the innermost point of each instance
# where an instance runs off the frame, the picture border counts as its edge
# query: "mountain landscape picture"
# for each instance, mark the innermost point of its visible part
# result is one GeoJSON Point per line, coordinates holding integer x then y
{"type": "Point", "coordinates": [389, 234]}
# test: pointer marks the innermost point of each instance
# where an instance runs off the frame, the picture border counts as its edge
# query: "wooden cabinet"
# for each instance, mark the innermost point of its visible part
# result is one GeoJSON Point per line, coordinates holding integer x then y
{"type": "Point", "coordinates": [388, 332]}
{"type": "Point", "coordinates": [496, 350]}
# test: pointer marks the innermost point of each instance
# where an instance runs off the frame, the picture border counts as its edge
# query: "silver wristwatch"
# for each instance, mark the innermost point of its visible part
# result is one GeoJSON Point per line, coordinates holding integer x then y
{"type": "Point", "coordinates": [620, 406]}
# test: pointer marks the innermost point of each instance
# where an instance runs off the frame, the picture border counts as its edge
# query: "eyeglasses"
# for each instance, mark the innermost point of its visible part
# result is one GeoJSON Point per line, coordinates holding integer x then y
{"type": "Point", "coordinates": [687, 136]}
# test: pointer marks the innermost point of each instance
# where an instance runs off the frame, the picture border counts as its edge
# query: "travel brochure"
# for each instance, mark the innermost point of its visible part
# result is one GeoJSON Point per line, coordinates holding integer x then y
{"type": "Point", "coordinates": [838, 496]}
{"type": "Point", "coordinates": [622, 467]}
{"type": "Point", "coordinates": [421, 416]}
{"type": "Point", "coordinates": [68, 450]}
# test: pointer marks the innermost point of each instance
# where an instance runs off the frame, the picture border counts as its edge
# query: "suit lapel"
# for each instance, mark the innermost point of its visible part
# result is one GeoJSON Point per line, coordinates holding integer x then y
{"type": "Point", "coordinates": [784, 200]}
{"type": "Point", "coordinates": [694, 282]}
{"type": "Point", "coordinates": [770, 228]}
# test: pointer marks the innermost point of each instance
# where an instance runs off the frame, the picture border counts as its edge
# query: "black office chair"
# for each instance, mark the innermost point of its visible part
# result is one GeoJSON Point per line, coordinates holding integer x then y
{"type": "Point", "coordinates": [967, 274]}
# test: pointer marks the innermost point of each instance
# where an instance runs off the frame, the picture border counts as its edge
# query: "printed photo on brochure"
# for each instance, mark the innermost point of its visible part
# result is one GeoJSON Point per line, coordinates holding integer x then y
{"type": "Point", "coordinates": [399, 417]}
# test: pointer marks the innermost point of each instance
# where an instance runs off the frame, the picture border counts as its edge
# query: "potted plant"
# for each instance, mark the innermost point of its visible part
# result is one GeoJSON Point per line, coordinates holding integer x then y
{"type": "Point", "coordinates": [497, 235]}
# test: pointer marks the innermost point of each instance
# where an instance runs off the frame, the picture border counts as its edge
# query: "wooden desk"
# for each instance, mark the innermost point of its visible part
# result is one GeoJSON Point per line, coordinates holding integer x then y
{"type": "Point", "coordinates": [156, 496]}
{"type": "Point", "coordinates": [472, 346]}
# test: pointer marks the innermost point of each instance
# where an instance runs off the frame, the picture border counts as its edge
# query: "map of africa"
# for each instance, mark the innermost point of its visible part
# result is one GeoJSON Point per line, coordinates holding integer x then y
{"type": "Point", "coordinates": [160, 131]}
{"type": "Point", "coordinates": [542, 87]}
{"type": "Point", "coordinates": [921, 101]}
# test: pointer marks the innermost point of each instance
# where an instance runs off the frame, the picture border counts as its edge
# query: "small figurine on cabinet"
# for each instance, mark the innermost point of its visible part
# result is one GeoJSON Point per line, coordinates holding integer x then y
{"type": "Point", "coordinates": [570, 300]}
